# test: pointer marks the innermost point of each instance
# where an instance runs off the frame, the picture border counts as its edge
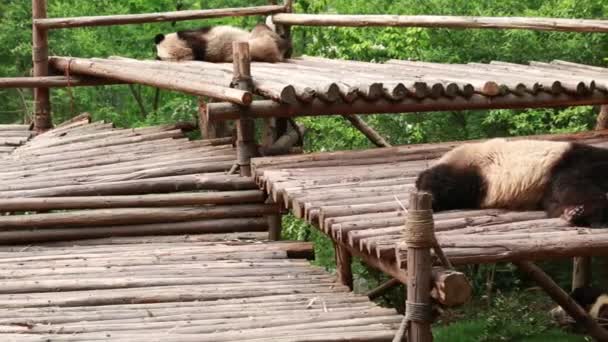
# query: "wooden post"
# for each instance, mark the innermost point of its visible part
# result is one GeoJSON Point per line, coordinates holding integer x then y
{"type": "Point", "coordinates": [40, 54]}
{"type": "Point", "coordinates": [563, 300]}
{"type": "Point", "coordinates": [210, 130]}
{"type": "Point", "coordinates": [343, 265]}
{"type": "Point", "coordinates": [245, 125]}
{"type": "Point", "coordinates": [419, 236]}
{"type": "Point", "coordinates": [602, 118]}
{"type": "Point", "coordinates": [581, 272]}
{"type": "Point", "coordinates": [274, 223]}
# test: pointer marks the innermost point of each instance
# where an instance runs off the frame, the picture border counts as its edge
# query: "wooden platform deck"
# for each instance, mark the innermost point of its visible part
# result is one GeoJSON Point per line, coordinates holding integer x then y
{"type": "Point", "coordinates": [352, 197]}
{"type": "Point", "coordinates": [194, 288]}
{"type": "Point", "coordinates": [13, 136]}
{"type": "Point", "coordinates": [120, 182]}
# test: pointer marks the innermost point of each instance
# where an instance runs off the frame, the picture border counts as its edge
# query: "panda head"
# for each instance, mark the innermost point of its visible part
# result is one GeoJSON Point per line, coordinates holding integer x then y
{"type": "Point", "coordinates": [593, 300]}
{"type": "Point", "coordinates": [170, 47]}
{"type": "Point", "coordinates": [452, 187]}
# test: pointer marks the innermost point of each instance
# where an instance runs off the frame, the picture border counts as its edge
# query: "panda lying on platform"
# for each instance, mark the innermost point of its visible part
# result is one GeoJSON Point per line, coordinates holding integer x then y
{"type": "Point", "coordinates": [564, 179]}
{"type": "Point", "coordinates": [214, 44]}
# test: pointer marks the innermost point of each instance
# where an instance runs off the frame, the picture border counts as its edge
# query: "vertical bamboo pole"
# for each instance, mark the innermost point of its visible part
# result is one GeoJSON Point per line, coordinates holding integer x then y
{"type": "Point", "coordinates": [581, 272]}
{"type": "Point", "coordinates": [344, 270]}
{"type": "Point", "coordinates": [245, 125]}
{"type": "Point", "coordinates": [274, 223]}
{"type": "Point", "coordinates": [210, 130]}
{"type": "Point", "coordinates": [602, 118]}
{"type": "Point", "coordinates": [419, 264]}
{"type": "Point", "coordinates": [40, 59]}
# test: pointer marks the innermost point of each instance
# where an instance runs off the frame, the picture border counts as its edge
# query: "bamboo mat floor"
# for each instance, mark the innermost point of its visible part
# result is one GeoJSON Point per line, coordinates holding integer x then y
{"type": "Point", "coordinates": [356, 198]}
{"type": "Point", "coordinates": [228, 287]}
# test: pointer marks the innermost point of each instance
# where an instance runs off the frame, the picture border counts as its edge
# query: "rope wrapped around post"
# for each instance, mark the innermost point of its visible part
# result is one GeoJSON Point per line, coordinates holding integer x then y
{"type": "Point", "coordinates": [419, 234]}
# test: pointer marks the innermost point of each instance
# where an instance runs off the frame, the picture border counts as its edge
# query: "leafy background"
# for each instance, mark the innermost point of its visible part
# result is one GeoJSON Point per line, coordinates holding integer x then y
{"type": "Point", "coordinates": [501, 312]}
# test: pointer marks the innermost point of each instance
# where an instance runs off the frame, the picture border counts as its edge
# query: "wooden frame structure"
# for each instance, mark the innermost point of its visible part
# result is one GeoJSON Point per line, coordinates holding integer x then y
{"type": "Point", "coordinates": [241, 105]}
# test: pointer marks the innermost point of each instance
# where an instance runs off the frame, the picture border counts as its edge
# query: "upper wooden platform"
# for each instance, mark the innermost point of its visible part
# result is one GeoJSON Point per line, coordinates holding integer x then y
{"type": "Point", "coordinates": [354, 196]}
{"type": "Point", "coordinates": [318, 82]}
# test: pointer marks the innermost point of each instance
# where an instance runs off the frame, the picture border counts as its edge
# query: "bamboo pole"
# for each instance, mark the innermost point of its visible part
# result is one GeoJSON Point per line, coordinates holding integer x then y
{"type": "Point", "coordinates": [246, 148]}
{"type": "Point", "coordinates": [563, 300]}
{"type": "Point", "coordinates": [40, 53]}
{"type": "Point", "coordinates": [525, 23]}
{"type": "Point", "coordinates": [267, 108]}
{"type": "Point", "coordinates": [59, 23]}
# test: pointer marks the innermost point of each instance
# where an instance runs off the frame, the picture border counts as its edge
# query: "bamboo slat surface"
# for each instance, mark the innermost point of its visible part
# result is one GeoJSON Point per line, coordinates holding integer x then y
{"type": "Point", "coordinates": [13, 136]}
{"type": "Point", "coordinates": [179, 289]}
{"type": "Point", "coordinates": [302, 80]}
{"type": "Point", "coordinates": [357, 198]}
{"type": "Point", "coordinates": [88, 180]}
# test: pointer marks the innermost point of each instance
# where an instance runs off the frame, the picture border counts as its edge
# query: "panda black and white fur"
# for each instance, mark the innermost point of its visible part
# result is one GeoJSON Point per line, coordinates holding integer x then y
{"type": "Point", "coordinates": [214, 44]}
{"type": "Point", "coordinates": [593, 300]}
{"type": "Point", "coordinates": [564, 179]}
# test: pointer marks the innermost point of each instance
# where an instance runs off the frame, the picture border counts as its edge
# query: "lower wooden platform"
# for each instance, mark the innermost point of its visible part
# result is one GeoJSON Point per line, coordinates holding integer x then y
{"type": "Point", "coordinates": [179, 288]}
{"type": "Point", "coordinates": [13, 136]}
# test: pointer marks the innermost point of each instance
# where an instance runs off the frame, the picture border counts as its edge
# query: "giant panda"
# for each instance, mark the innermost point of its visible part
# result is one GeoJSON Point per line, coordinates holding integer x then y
{"type": "Point", "coordinates": [563, 178]}
{"type": "Point", "coordinates": [214, 44]}
{"type": "Point", "coordinates": [593, 300]}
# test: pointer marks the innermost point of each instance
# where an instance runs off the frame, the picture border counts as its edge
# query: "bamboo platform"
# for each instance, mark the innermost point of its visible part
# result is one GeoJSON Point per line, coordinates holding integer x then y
{"type": "Point", "coordinates": [304, 80]}
{"type": "Point", "coordinates": [195, 288]}
{"type": "Point", "coordinates": [121, 182]}
{"type": "Point", "coordinates": [352, 197]}
{"type": "Point", "coordinates": [13, 136]}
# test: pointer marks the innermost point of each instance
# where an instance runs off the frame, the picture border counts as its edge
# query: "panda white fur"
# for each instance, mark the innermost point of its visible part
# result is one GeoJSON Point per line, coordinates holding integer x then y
{"type": "Point", "coordinates": [564, 179]}
{"type": "Point", "coordinates": [214, 44]}
{"type": "Point", "coordinates": [593, 300]}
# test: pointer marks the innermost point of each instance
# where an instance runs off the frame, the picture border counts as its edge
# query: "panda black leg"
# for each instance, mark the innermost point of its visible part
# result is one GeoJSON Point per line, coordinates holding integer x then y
{"type": "Point", "coordinates": [579, 196]}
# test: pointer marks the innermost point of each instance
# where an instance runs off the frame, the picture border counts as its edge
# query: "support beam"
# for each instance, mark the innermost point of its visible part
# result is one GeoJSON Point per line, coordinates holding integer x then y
{"type": "Point", "coordinates": [246, 148]}
{"type": "Point", "coordinates": [210, 130]}
{"type": "Point", "coordinates": [40, 54]}
{"type": "Point", "coordinates": [419, 265]}
{"type": "Point", "coordinates": [344, 266]}
{"type": "Point", "coordinates": [581, 272]}
{"type": "Point", "coordinates": [274, 223]}
{"type": "Point", "coordinates": [268, 108]}
{"type": "Point", "coordinates": [53, 82]}
{"type": "Point", "coordinates": [367, 130]}
{"type": "Point", "coordinates": [383, 288]}
{"type": "Point", "coordinates": [602, 118]}
{"type": "Point", "coordinates": [366, 20]}
{"type": "Point", "coordinates": [59, 23]}
{"type": "Point", "coordinates": [563, 300]}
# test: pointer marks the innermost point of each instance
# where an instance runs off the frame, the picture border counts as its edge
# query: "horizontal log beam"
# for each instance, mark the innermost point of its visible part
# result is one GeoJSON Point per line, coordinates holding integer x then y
{"type": "Point", "coordinates": [53, 82]}
{"type": "Point", "coordinates": [60, 23]}
{"type": "Point", "coordinates": [266, 108]}
{"type": "Point", "coordinates": [135, 74]}
{"type": "Point", "coordinates": [461, 22]}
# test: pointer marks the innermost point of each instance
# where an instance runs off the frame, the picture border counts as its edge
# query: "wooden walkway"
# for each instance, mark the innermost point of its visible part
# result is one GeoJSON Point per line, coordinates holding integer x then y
{"type": "Point", "coordinates": [352, 197]}
{"type": "Point", "coordinates": [179, 289]}
{"type": "Point", "coordinates": [13, 136]}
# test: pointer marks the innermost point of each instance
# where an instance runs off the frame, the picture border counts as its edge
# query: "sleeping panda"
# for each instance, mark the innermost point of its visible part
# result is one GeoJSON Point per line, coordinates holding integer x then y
{"type": "Point", "coordinates": [593, 300]}
{"type": "Point", "coordinates": [214, 44]}
{"type": "Point", "coordinates": [564, 179]}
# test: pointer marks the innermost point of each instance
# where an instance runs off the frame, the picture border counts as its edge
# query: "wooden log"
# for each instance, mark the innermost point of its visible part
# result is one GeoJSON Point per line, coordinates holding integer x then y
{"type": "Point", "coordinates": [53, 82]}
{"type": "Point", "coordinates": [526, 23]}
{"type": "Point", "coordinates": [58, 23]}
{"type": "Point", "coordinates": [344, 270]}
{"type": "Point", "coordinates": [118, 216]}
{"type": "Point", "coordinates": [562, 298]}
{"type": "Point", "coordinates": [602, 118]}
{"type": "Point", "coordinates": [245, 126]}
{"type": "Point", "coordinates": [383, 288]}
{"type": "Point", "coordinates": [367, 130]}
{"type": "Point", "coordinates": [40, 53]}
{"type": "Point", "coordinates": [132, 74]}
{"type": "Point", "coordinates": [99, 202]}
{"type": "Point", "coordinates": [264, 108]}
{"type": "Point", "coordinates": [581, 272]}
{"type": "Point", "coordinates": [419, 269]}
{"type": "Point", "coordinates": [284, 143]}
{"type": "Point", "coordinates": [274, 223]}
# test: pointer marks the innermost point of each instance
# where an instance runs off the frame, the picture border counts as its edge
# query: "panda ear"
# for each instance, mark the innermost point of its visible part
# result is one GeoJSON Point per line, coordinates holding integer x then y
{"type": "Point", "coordinates": [159, 38]}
